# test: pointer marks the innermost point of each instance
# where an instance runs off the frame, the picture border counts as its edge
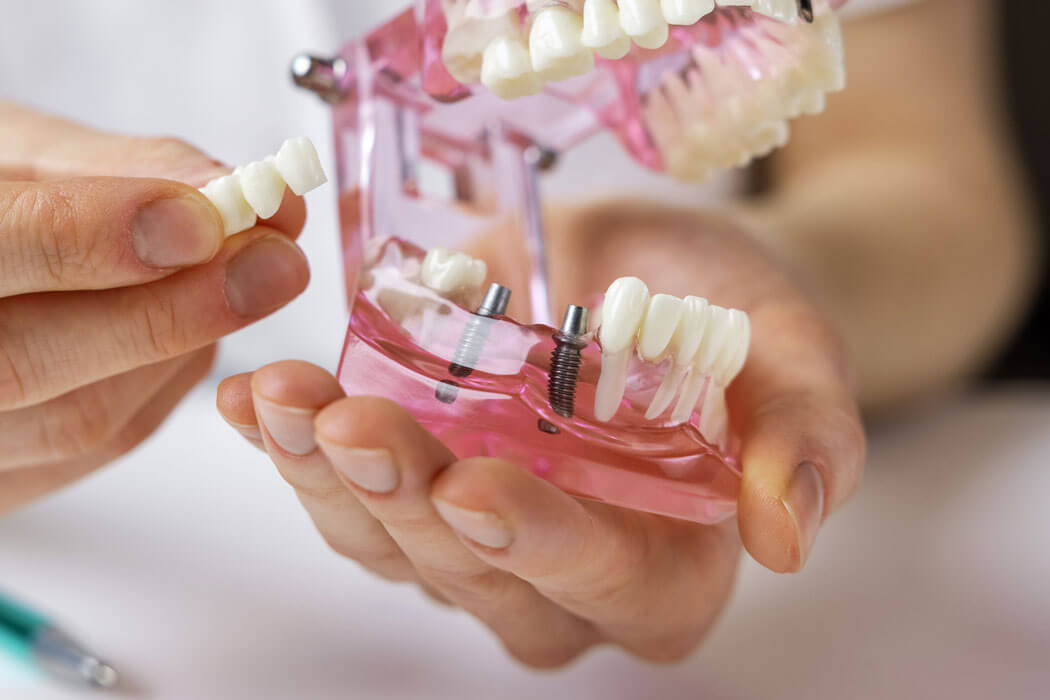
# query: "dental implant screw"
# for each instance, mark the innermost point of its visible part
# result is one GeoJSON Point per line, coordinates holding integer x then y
{"type": "Point", "coordinates": [476, 332]}
{"type": "Point", "coordinates": [805, 10]}
{"type": "Point", "coordinates": [325, 77]}
{"type": "Point", "coordinates": [569, 341]}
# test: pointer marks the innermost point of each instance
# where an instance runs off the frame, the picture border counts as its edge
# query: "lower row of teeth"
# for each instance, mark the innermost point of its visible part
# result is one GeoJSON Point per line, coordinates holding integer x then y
{"type": "Point", "coordinates": [703, 346]}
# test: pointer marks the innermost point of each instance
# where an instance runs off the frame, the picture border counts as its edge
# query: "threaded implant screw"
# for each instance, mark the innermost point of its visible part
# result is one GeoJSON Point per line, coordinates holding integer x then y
{"type": "Point", "coordinates": [566, 359]}
{"type": "Point", "coordinates": [472, 341]}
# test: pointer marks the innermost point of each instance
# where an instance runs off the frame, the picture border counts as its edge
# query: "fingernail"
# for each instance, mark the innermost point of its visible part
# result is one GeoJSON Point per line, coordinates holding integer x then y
{"type": "Point", "coordinates": [372, 470]}
{"type": "Point", "coordinates": [290, 427]}
{"type": "Point", "coordinates": [175, 232]}
{"type": "Point", "coordinates": [804, 500]}
{"type": "Point", "coordinates": [266, 275]}
{"type": "Point", "coordinates": [484, 527]}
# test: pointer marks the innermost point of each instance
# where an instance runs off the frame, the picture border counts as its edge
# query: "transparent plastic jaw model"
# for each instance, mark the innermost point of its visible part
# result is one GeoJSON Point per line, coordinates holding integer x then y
{"type": "Point", "coordinates": [445, 117]}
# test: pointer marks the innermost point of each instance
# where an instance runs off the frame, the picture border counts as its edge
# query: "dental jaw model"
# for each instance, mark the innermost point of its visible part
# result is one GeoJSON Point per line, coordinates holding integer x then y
{"type": "Point", "coordinates": [444, 119]}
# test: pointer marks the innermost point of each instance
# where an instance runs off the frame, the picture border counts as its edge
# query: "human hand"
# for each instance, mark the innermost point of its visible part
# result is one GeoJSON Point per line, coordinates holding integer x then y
{"type": "Point", "coordinates": [549, 574]}
{"type": "Point", "coordinates": [114, 286]}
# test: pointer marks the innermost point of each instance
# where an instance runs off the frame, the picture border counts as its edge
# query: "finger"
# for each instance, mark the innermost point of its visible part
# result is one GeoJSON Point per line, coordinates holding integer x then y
{"type": "Point", "coordinates": [35, 146]}
{"type": "Point", "coordinates": [233, 400]}
{"type": "Point", "coordinates": [602, 563]}
{"type": "Point", "coordinates": [390, 463]}
{"type": "Point", "coordinates": [287, 397]}
{"type": "Point", "coordinates": [97, 233]}
{"type": "Point", "coordinates": [803, 441]}
{"type": "Point", "coordinates": [53, 343]}
{"type": "Point", "coordinates": [25, 485]}
{"type": "Point", "coordinates": [80, 422]}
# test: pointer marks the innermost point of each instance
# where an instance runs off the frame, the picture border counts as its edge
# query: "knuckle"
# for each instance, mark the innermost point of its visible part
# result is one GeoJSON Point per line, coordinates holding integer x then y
{"type": "Point", "coordinates": [82, 426]}
{"type": "Point", "coordinates": [160, 333]}
{"type": "Point", "coordinates": [19, 373]}
{"type": "Point", "coordinates": [54, 246]}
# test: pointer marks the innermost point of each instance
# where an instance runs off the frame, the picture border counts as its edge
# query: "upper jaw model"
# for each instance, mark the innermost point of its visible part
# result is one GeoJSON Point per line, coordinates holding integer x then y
{"type": "Point", "coordinates": [444, 119]}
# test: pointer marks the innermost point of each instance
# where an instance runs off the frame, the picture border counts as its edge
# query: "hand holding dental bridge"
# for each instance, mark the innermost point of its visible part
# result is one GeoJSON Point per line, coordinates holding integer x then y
{"type": "Point", "coordinates": [115, 284]}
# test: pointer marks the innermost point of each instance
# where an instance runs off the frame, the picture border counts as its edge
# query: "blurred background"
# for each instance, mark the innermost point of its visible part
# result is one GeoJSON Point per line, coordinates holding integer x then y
{"type": "Point", "coordinates": [193, 568]}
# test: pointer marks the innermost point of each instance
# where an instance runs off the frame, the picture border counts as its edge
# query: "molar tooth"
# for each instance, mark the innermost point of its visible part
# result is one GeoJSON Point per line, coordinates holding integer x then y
{"type": "Point", "coordinates": [447, 271]}
{"type": "Point", "coordinates": [623, 312]}
{"type": "Point", "coordinates": [299, 166]}
{"type": "Point", "coordinates": [506, 69]}
{"type": "Point", "coordinates": [602, 31]}
{"type": "Point", "coordinates": [686, 12]}
{"type": "Point", "coordinates": [226, 194]}
{"type": "Point", "coordinates": [644, 22]}
{"type": "Point", "coordinates": [555, 45]}
{"type": "Point", "coordinates": [661, 320]}
{"type": "Point", "coordinates": [263, 187]}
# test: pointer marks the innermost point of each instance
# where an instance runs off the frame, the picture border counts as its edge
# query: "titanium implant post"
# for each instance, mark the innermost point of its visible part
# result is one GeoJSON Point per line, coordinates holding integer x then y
{"type": "Point", "coordinates": [566, 360]}
{"type": "Point", "coordinates": [472, 340]}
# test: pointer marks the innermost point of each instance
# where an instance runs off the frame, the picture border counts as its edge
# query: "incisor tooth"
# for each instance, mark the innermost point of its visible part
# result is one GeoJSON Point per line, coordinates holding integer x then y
{"type": "Point", "coordinates": [714, 418]}
{"type": "Point", "coordinates": [783, 10]}
{"type": "Point", "coordinates": [691, 391]}
{"type": "Point", "coordinates": [715, 336]}
{"type": "Point", "coordinates": [643, 20]}
{"type": "Point", "coordinates": [661, 320]}
{"type": "Point", "coordinates": [685, 342]}
{"type": "Point", "coordinates": [262, 186]}
{"type": "Point", "coordinates": [226, 194]}
{"type": "Point", "coordinates": [298, 164]}
{"type": "Point", "coordinates": [602, 30]}
{"type": "Point", "coordinates": [555, 45]}
{"type": "Point", "coordinates": [686, 12]}
{"type": "Point", "coordinates": [506, 69]}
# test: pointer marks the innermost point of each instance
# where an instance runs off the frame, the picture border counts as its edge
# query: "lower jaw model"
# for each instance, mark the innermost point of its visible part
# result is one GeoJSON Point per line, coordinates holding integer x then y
{"type": "Point", "coordinates": [445, 117]}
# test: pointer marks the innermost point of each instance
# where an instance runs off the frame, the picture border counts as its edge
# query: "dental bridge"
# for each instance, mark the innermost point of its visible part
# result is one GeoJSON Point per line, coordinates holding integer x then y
{"type": "Point", "coordinates": [445, 117]}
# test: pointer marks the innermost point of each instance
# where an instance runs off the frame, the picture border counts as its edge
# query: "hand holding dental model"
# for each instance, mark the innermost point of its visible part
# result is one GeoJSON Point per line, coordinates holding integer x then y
{"type": "Point", "coordinates": [114, 290]}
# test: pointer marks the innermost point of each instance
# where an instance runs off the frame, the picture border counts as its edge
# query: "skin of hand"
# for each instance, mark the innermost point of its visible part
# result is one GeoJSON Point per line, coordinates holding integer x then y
{"type": "Point", "coordinates": [115, 284]}
{"type": "Point", "coordinates": [549, 574]}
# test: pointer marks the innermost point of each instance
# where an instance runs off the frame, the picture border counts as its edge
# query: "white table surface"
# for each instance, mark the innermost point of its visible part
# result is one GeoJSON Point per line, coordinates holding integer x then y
{"type": "Point", "coordinates": [192, 567]}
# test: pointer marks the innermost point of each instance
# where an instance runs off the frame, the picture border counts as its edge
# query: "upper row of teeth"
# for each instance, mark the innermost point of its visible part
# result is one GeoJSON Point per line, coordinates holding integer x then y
{"type": "Point", "coordinates": [563, 38]}
{"type": "Point", "coordinates": [257, 189]}
{"type": "Point", "coordinates": [707, 346]}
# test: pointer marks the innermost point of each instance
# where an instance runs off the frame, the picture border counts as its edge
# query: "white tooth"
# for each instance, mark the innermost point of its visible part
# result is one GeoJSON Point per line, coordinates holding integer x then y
{"type": "Point", "coordinates": [783, 10]}
{"type": "Point", "coordinates": [685, 342]}
{"type": "Point", "coordinates": [691, 391]}
{"type": "Point", "coordinates": [741, 342]}
{"type": "Point", "coordinates": [225, 193]}
{"type": "Point", "coordinates": [506, 69]}
{"type": "Point", "coordinates": [686, 12]}
{"type": "Point", "coordinates": [734, 3]}
{"type": "Point", "coordinates": [298, 164]}
{"type": "Point", "coordinates": [715, 336]}
{"type": "Point", "coordinates": [555, 45]}
{"type": "Point", "coordinates": [714, 416]}
{"type": "Point", "coordinates": [263, 187]}
{"type": "Point", "coordinates": [602, 31]}
{"type": "Point", "coordinates": [830, 69]}
{"type": "Point", "coordinates": [447, 271]}
{"type": "Point", "coordinates": [612, 382]}
{"type": "Point", "coordinates": [623, 312]}
{"type": "Point", "coordinates": [643, 20]}
{"type": "Point", "coordinates": [661, 320]}
{"type": "Point", "coordinates": [654, 39]}
{"type": "Point", "coordinates": [471, 28]}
